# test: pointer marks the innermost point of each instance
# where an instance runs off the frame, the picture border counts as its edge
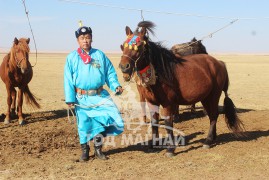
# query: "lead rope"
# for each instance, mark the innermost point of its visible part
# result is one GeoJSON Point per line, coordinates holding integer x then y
{"type": "Point", "coordinates": [26, 12]}
{"type": "Point", "coordinates": [69, 109]}
{"type": "Point", "coordinates": [210, 34]}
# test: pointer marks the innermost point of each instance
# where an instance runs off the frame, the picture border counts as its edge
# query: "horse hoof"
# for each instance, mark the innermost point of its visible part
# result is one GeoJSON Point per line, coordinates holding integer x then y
{"type": "Point", "coordinates": [170, 154]}
{"type": "Point", "coordinates": [22, 122]}
{"type": "Point", "coordinates": [6, 121]}
{"type": "Point", "coordinates": [206, 146]}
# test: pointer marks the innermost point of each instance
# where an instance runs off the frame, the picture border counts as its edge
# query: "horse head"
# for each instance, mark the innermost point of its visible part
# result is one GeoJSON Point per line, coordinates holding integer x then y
{"type": "Point", "coordinates": [20, 54]}
{"type": "Point", "coordinates": [198, 47]}
{"type": "Point", "coordinates": [133, 50]}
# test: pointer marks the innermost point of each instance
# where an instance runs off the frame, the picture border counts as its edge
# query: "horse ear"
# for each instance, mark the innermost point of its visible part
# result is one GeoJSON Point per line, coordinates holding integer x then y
{"type": "Point", "coordinates": [16, 41]}
{"type": "Point", "coordinates": [28, 41]}
{"type": "Point", "coordinates": [194, 39]}
{"type": "Point", "coordinates": [128, 31]}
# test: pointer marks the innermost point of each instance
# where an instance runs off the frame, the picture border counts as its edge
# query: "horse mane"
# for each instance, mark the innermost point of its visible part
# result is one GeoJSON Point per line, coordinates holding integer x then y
{"type": "Point", "coordinates": [162, 59]}
{"type": "Point", "coordinates": [22, 45]}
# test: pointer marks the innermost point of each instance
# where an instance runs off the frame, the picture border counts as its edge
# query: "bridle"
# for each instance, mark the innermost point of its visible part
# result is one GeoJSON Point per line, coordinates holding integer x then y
{"type": "Point", "coordinates": [134, 60]}
{"type": "Point", "coordinates": [18, 61]}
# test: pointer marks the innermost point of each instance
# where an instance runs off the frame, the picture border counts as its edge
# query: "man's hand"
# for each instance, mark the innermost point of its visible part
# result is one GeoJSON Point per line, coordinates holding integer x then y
{"type": "Point", "coordinates": [119, 90]}
{"type": "Point", "coordinates": [70, 104]}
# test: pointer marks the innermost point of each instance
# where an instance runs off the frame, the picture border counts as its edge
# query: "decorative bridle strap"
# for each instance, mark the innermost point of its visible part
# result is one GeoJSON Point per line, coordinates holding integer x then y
{"type": "Point", "coordinates": [134, 60]}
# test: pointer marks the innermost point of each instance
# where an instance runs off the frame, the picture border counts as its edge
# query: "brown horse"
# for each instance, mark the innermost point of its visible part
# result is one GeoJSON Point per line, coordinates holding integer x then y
{"type": "Point", "coordinates": [16, 71]}
{"type": "Point", "coordinates": [184, 49]}
{"type": "Point", "coordinates": [171, 81]}
{"type": "Point", "coordinates": [188, 48]}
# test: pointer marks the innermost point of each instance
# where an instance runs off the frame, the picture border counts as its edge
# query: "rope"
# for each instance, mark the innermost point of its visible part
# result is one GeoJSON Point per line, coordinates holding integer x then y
{"type": "Point", "coordinates": [161, 12]}
{"type": "Point", "coordinates": [27, 12]}
{"type": "Point", "coordinates": [142, 17]}
{"type": "Point", "coordinates": [69, 109]}
{"type": "Point", "coordinates": [210, 35]}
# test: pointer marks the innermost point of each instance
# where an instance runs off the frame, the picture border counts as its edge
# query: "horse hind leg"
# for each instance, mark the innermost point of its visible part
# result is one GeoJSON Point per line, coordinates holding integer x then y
{"type": "Point", "coordinates": [213, 113]}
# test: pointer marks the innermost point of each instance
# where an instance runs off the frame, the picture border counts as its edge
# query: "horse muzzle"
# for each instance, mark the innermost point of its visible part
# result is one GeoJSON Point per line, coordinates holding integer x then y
{"type": "Point", "coordinates": [126, 71]}
{"type": "Point", "coordinates": [24, 70]}
{"type": "Point", "coordinates": [126, 77]}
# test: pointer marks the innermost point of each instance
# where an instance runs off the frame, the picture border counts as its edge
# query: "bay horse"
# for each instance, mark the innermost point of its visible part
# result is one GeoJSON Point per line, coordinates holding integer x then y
{"type": "Point", "coordinates": [171, 81]}
{"type": "Point", "coordinates": [193, 47]}
{"type": "Point", "coordinates": [16, 71]}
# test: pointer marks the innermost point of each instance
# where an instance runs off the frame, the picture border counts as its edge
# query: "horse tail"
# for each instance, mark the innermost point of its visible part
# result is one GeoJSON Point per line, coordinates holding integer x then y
{"type": "Point", "coordinates": [232, 120]}
{"type": "Point", "coordinates": [30, 98]}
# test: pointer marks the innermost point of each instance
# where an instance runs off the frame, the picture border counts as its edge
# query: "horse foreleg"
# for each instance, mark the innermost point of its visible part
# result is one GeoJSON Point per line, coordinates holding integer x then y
{"type": "Point", "coordinates": [9, 102]}
{"type": "Point", "coordinates": [168, 116]}
{"type": "Point", "coordinates": [170, 139]}
{"type": "Point", "coordinates": [143, 107]}
{"type": "Point", "coordinates": [13, 104]}
{"type": "Point", "coordinates": [154, 117]}
{"type": "Point", "coordinates": [19, 107]}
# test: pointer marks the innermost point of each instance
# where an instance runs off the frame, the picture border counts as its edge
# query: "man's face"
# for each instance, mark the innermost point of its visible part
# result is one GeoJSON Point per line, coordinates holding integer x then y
{"type": "Point", "coordinates": [85, 41]}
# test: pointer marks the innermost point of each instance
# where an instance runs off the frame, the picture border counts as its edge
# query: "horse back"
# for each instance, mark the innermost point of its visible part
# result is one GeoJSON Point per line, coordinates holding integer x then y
{"type": "Point", "coordinates": [198, 75]}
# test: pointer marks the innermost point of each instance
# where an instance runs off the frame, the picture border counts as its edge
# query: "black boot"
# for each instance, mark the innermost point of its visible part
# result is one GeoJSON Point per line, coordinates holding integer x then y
{"type": "Point", "coordinates": [98, 148]}
{"type": "Point", "coordinates": [85, 152]}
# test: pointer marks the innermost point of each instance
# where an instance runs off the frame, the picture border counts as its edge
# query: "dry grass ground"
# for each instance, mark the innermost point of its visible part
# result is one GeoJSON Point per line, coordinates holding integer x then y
{"type": "Point", "coordinates": [46, 147]}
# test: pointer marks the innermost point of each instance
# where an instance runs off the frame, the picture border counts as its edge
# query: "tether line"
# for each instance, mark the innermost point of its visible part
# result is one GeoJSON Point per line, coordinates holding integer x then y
{"type": "Point", "coordinates": [160, 12]}
{"type": "Point", "coordinates": [27, 14]}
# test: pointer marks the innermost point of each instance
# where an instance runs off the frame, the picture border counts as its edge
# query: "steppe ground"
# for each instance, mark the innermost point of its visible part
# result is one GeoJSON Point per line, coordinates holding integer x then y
{"type": "Point", "coordinates": [46, 148]}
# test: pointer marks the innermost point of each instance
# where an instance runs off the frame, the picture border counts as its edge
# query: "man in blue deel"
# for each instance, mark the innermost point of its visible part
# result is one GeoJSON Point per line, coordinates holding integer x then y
{"type": "Point", "coordinates": [86, 71]}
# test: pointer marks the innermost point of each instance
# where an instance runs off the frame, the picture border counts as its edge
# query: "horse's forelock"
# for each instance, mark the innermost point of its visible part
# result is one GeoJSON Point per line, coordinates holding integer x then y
{"type": "Point", "coordinates": [146, 24]}
{"type": "Point", "coordinates": [24, 45]}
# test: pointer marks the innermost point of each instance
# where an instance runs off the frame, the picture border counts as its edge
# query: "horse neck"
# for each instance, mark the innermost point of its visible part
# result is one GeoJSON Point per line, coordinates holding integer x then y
{"type": "Point", "coordinates": [164, 62]}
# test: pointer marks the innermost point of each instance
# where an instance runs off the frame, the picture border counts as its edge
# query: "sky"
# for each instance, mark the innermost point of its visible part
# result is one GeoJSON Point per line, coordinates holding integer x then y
{"type": "Point", "coordinates": [54, 22]}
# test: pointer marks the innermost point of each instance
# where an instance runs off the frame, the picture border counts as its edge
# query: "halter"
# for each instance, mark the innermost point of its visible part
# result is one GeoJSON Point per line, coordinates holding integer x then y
{"type": "Point", "coordinates": [134, 60]}
{"type": "Point", "coordinates": [145, 81]}
{"type": "Point", "coordinates": [18, 62]}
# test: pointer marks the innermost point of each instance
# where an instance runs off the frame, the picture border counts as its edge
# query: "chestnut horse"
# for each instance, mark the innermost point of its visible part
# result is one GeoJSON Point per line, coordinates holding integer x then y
{"type": "Point", "coordinates": [16, 71]}
{"type": "Point", "coordinates": [171, 81]}
{"type": "Point", "coordinates": [184, 49]}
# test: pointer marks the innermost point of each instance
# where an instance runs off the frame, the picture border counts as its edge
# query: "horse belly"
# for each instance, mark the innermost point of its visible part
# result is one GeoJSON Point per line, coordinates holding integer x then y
{"type": "Point", "coordinates": [194, 83]}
